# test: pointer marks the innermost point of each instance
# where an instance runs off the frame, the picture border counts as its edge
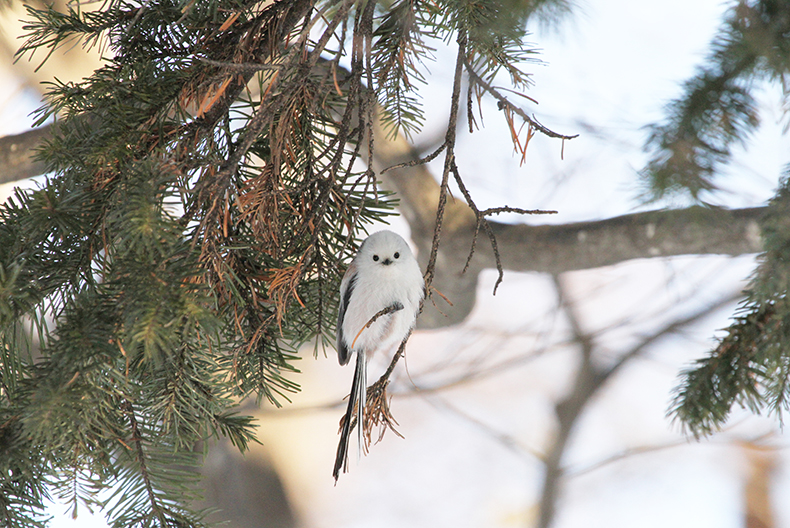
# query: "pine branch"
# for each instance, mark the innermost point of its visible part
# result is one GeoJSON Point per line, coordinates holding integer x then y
{"type": "Point", "coordinates": [749, 366]}
{"type": "Point", "coordinates": [140, 456]}
{"type": "Point", "coordinates": [718, 109]}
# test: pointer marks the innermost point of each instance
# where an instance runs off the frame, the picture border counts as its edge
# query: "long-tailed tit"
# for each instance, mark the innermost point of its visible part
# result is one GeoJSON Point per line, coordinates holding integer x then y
{"type": "Point", "coordinates": [384, 276]}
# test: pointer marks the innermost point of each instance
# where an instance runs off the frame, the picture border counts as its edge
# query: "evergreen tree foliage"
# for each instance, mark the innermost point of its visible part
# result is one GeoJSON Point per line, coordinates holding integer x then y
{"type": "Point", "coordinates": [717, 108]}
{"type": "Point", "coordinates": [750, 365]}
{"type": "Point", "coordinates": [206, 186]}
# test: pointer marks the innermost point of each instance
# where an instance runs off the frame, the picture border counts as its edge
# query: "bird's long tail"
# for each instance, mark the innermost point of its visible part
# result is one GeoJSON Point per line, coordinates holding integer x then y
{"type": "Point", "coordinates": [356, 401]}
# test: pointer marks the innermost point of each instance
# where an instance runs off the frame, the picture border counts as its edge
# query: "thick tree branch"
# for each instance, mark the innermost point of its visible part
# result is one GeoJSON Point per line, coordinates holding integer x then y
{"type": "Point", "coordinates": [586, 245]}
{"type": "Point", "coordinates": [543, 248]}
{"type": "Point", "coordinates": [550, 248]}
{"type": "Point", "coordinates": [17, 155]}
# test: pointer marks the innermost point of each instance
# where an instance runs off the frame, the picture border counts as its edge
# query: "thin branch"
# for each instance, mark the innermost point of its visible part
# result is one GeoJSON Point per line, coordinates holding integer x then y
{"type": "Point", "coordinates": [396, 357]}
{"type": "Point", "coordinates": [642, 450]}
{"type": "Point", "coordinates": [377, 410]}
{"type": "Point", "coordinates": [480, 221]}
{"type": "Point", "coordinates": [507, 209]}
{"type": "Point", "coordinates": [671, 328]}
{"type": "Point", "coordinates": [244, 67]}
{"type": "Point", "coordinates": [506, 440]}
{"type": "Point", "coordinates": [137, 441]}
{"type": "Point", "coordinates": [388, 310]}
{"type": "Point", "coordinates": [505, 103]}
{"type": "Point", "coordinates": [421, 161]}
{"type": "Point", "coordinates": [449, 159]}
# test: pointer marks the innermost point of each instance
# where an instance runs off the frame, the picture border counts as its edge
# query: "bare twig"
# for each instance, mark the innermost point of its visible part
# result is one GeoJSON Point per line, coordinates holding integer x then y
{"type": "Point", "coordinates": [377, 410]}
{"type": "Point", "coordinates": [421, 161]}
{"type": "Point", "coordinates": [506, 440]}
{"type": "Point", "coordinates": [388, 310]}
{"type": "Point", "coordinates": [481, 221]}
{"type": "Point", "coordinates": [240, 66]}
{"type": "Point", "coordinates": [449, 159]}
{"type": "Point", "coordinates": [505, 103]}
{"type": "Point", "coordinates": [506, 209]}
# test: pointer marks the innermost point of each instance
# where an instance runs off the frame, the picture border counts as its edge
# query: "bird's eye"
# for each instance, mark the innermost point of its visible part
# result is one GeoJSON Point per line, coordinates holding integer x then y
{"type": "Point", "coordinates": [396, 255]}
{"type": "Point", "coordinates": [375, 258]}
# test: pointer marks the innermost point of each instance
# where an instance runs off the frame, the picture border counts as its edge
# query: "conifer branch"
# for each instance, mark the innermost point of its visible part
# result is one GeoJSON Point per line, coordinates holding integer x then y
{"type": "Point", "coordinates": [139, 453]}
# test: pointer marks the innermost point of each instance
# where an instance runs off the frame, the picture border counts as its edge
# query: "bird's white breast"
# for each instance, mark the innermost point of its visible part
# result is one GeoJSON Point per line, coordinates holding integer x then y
{"type": "Point", "coordinates": [372, 293]}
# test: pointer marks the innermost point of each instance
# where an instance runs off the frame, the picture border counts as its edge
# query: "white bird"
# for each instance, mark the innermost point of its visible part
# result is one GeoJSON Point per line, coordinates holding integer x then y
{"type": "Point", "coordinates": [384, 275]}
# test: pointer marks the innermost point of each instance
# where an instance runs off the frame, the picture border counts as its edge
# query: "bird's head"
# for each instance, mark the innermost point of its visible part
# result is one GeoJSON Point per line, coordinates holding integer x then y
{"type": "Point", "coordinates": [384, 249]}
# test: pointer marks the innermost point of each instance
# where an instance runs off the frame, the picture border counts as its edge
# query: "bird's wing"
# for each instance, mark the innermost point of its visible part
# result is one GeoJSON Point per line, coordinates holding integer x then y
{"type": "Point", "coordinates": [346, 289]}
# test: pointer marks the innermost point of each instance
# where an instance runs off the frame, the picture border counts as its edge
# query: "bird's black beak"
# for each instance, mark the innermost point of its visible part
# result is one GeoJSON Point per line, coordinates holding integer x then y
{"type": "Point", "coordinates": [386, 262]}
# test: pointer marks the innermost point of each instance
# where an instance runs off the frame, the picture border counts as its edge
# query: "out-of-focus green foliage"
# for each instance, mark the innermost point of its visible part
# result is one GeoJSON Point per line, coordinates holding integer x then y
{"type": "Point", "coordinates": [751, 364]}
{"type": "Point", "coordinates": [716, 111]}
{"type": "Point", "coordinates": [717, 108]}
